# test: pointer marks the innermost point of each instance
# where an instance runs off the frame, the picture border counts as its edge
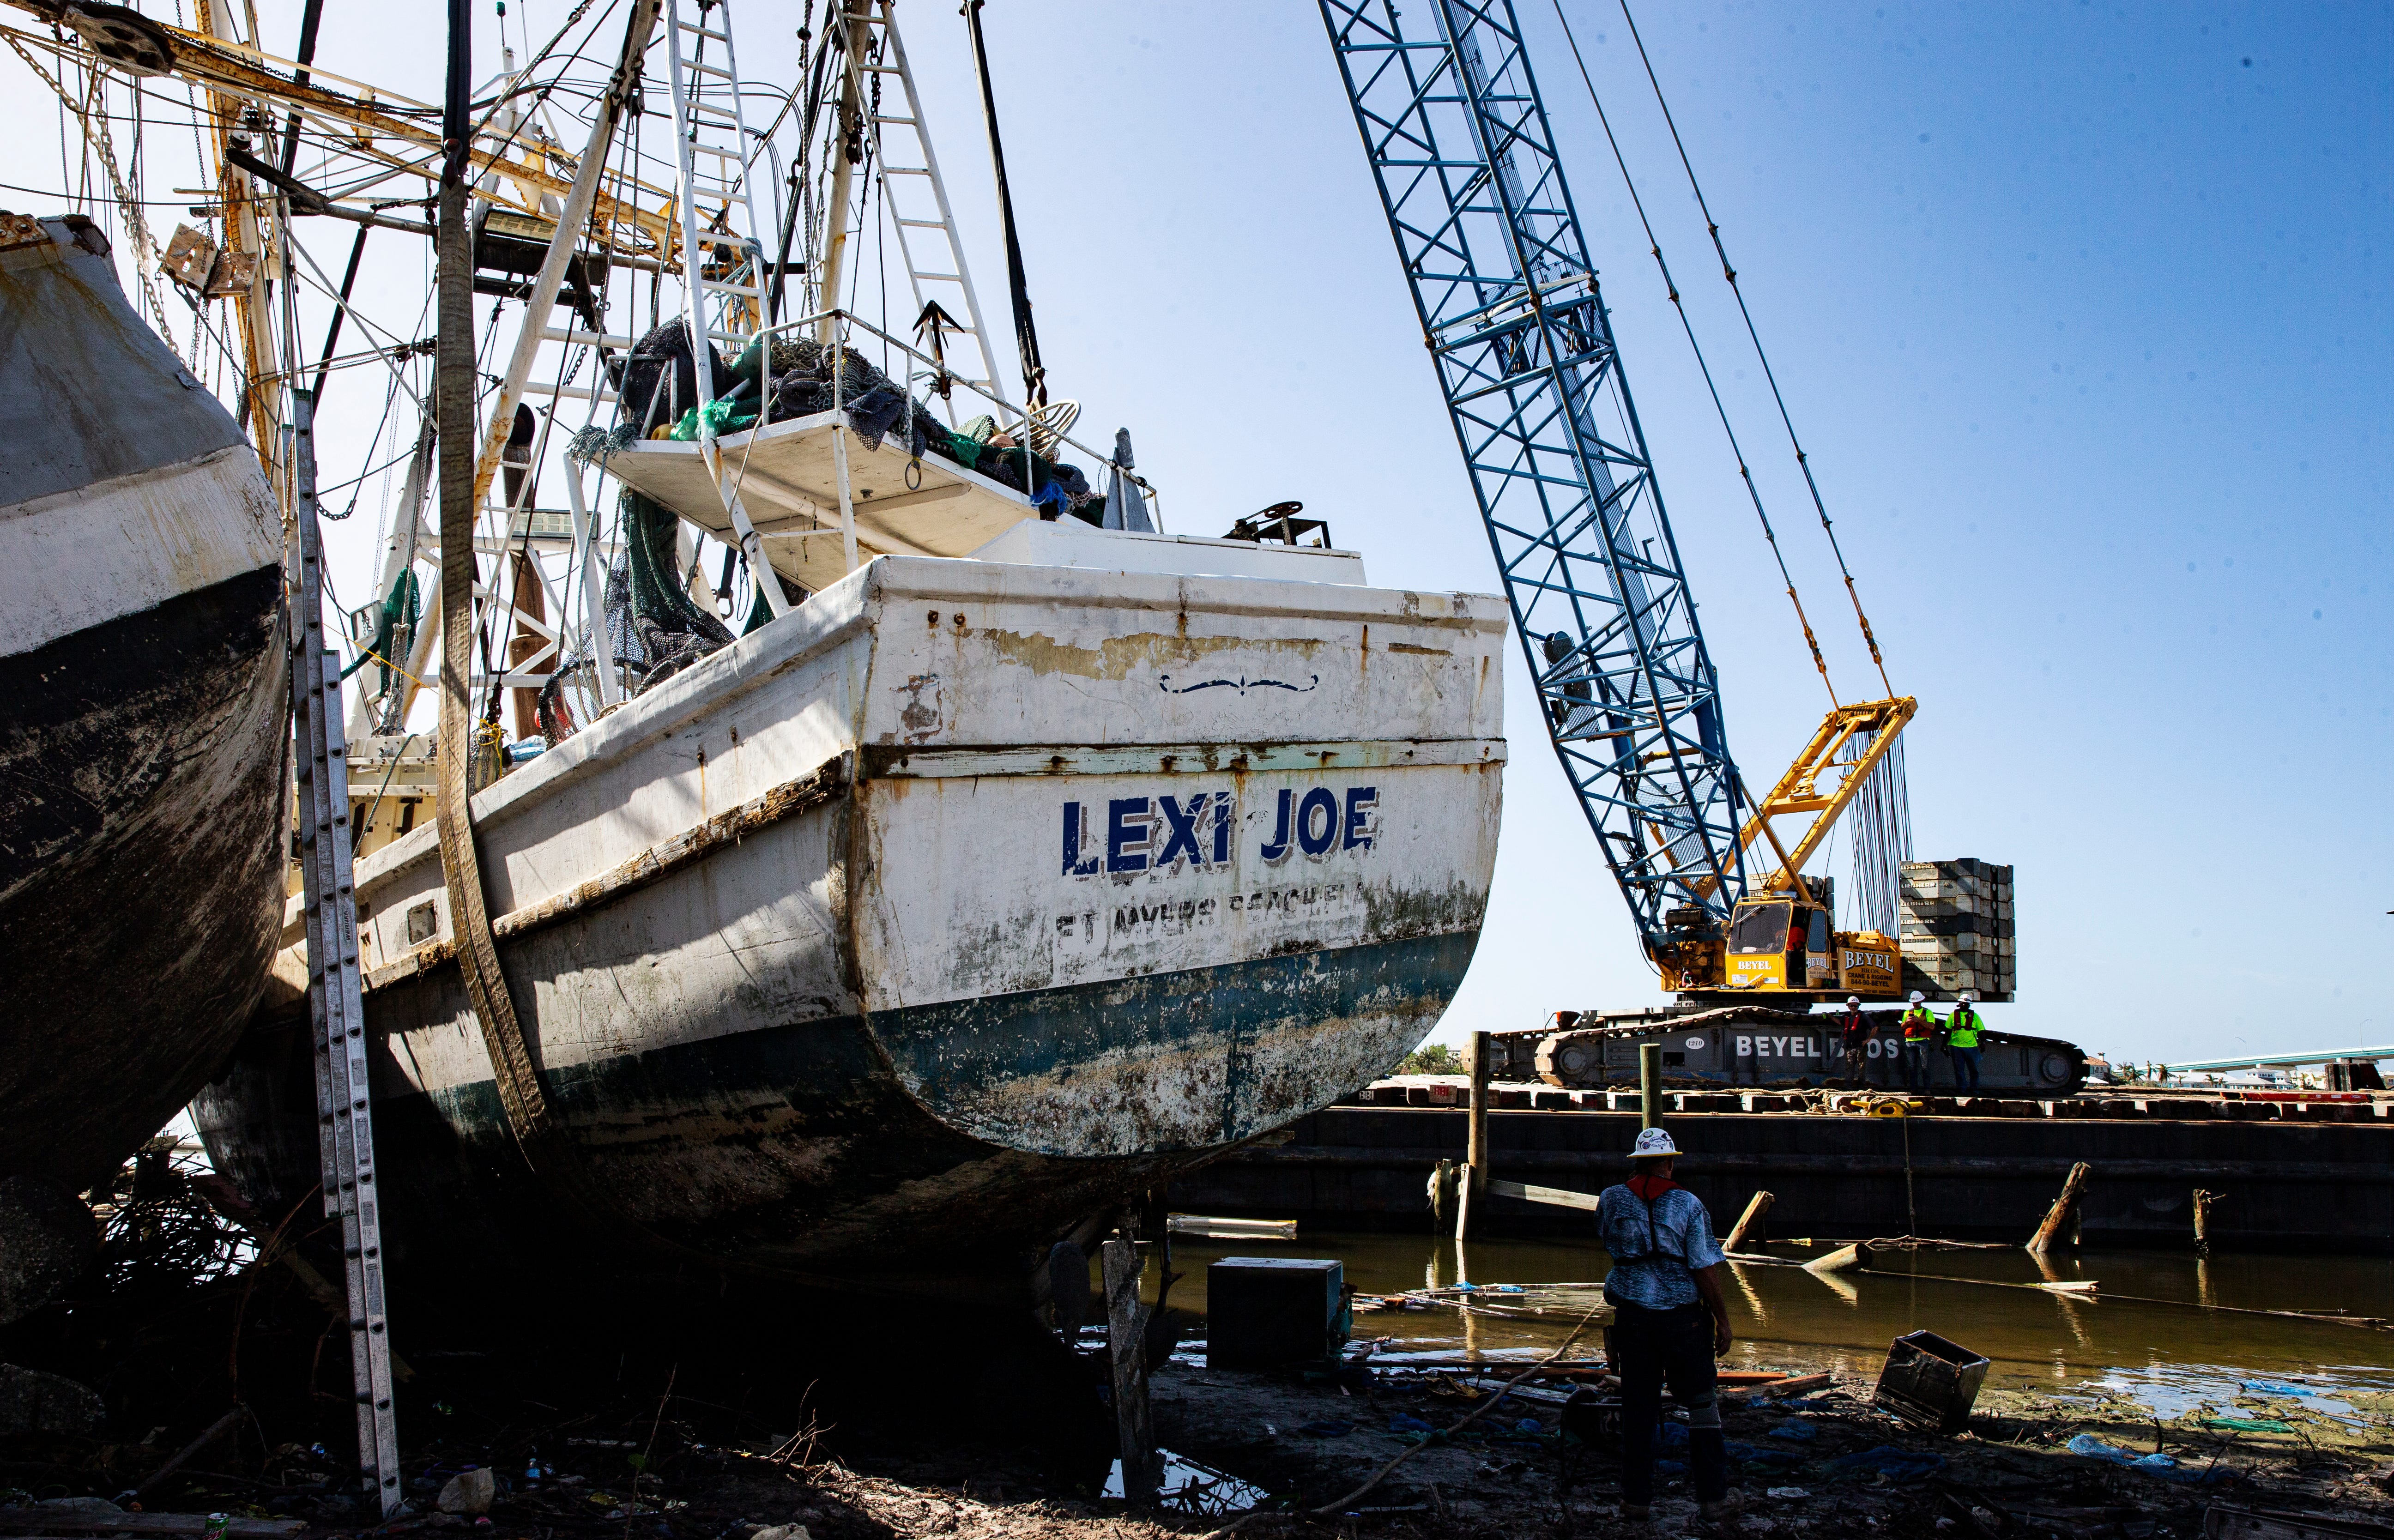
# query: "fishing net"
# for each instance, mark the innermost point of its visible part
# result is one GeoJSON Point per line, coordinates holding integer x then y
{"type": "Point", "coordinates": [658, 380]}
{"type": "Point", "coordinates": [794, 377]}
{"type": "Point", "coordinates": [653, 628]}
{"type": "Point", "coordinates": [394, 628]}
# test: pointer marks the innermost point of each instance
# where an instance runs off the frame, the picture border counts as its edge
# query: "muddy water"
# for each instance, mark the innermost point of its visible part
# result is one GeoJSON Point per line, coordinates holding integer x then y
{"type": "Point", "coordinates": [2168, 1357]}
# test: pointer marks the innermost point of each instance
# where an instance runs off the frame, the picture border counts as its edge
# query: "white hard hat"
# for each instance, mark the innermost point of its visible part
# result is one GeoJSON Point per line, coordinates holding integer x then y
{"type": "Point", "coordinates": [1918, 998]}
{"type": "Point", "coordinates": [1965, 997]}
{"type": "Point", "coordinates": [1651, 1142]}
{"type": "Point", "coordinates": [1853, 999]}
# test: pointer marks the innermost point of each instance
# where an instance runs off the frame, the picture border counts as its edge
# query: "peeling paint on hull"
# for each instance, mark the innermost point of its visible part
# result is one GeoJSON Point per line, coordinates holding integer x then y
{"type": "Point", "coordinates": [796, 1147]}
{"type": "Point", "coordinates": [1061, 932]}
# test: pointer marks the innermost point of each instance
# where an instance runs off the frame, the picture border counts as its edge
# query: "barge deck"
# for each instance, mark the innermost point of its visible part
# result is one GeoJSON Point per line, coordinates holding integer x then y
{"type": "Point", "coordinates": [2294, 1177]}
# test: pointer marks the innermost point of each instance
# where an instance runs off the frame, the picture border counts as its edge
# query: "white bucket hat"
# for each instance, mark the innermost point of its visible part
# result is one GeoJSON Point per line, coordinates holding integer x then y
{"type": "Point", "coordinates": [1652, 1142]}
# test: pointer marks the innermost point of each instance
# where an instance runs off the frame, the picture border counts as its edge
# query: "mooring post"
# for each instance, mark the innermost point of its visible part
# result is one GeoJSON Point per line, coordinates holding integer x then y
{"type": "Point", "coordinates": [1749, 1224]}
{"type": "Point", "coordinates": [1125, 1335]}
{"type": "Point", "coordinates": [2050, 1230]}
{"type": "Point", "coordinates": [1476, 1149]}
{"type": "Point", "coordinates": [2202, 1202]}
{"type": "Point", "coordinates": [1650, 1084]}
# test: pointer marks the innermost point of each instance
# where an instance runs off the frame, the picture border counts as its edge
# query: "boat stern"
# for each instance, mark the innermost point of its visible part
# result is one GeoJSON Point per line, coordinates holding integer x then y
{"type": "Point", "coordinates": [1154, 863]}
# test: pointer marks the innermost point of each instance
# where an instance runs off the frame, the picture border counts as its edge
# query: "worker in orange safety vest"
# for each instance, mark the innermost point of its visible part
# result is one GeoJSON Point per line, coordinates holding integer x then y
{"type": "Point", "coordinates": [1921, 1029]}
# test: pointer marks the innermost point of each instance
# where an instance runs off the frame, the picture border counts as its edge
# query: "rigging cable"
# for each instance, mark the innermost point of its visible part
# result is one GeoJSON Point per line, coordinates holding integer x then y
{"type": "Point", "coordinates": [95, 136]}
{"type": "Point", "coordinates": [1730, 272]}
{"type": "Point", "coordinates": [1026, 336]}
{"type": "Point", "coordinates": [1744, 472]}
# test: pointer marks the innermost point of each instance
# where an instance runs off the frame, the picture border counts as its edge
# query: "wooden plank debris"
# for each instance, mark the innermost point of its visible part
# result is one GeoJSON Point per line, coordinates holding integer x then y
{"type": "Point", "coordinates": [40, 1519]}
{"type": "Point", "coordinates": [215, 1430]}
{"type": "Point", "coordinates": [1777, 1387]}
{"type": "Point", "coordinates": [1853, 1258]}
{"type": "Point", "coordinates": [2226, 1522]}
{"type": "Point", "coordinates": [2202, 1202]}
{"type": "Point", "coordinates": [1750, 1223]}
{"type": "Point", "coordinates": [1230, 1229]}
{"type": "Point", "coordinates": [2063, 1206]}
{"type": "Point", "coordinates": [1554, 1196]}
{"type": "Point", "coordinates": [1126, 1333]}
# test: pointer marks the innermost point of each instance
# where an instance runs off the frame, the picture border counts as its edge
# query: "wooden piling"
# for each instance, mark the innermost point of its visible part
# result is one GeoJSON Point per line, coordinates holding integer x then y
{"type": "Point", "coordinates": [2202, 1202]}
{"type": "Point", "coordinates": [1650, 1084]}
{"type": "Point", "coordinates": [1463, 1189]}
{"type": "Point", "coordinates": [1750, 1224]}
{"type": "Point", "coordinates": [1476, 1150]}
{"type": "Point", "coordinates": [2063, 1208]}
{"type": "Point", "coordinates": [1851, 1259]}
{"type": "Point", "coordinates": [1142, 1472]}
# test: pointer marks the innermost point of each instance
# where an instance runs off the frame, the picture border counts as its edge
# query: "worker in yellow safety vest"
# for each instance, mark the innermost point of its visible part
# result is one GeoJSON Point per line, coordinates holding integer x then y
{"type": "Point", "coordinates": [1962, 1031]}
{"type": "Point", "coordinates": [1920, 1029]}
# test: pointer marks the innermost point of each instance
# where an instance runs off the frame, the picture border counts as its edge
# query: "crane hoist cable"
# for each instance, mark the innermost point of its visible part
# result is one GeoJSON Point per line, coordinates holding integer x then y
{"type": "Point", "coordinates": [1654, 244]}
{"type": "Point", "coordinates": [1803, 462]}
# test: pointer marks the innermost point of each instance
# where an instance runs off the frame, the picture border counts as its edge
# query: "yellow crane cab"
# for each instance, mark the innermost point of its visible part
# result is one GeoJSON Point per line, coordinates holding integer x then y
{"type": "Point", "coordinates": [1775, 942]}
{"type": "Point", "coordinates": [1780, 939]}
{"type": "Point", "coordinates": [1780, 943]}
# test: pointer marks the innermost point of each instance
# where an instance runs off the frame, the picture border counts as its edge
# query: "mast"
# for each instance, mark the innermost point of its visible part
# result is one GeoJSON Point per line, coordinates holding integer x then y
{"type": "Point", "coordinates": [843, 172]}
{"type": "Point", "coordinates": [252, 307]}
{"type": "Point", "coordinates": [570, 222]}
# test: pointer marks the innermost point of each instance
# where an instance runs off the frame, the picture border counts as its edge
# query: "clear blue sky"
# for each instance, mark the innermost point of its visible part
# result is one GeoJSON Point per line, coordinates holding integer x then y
{"type": "Point", "coordinates": [2083, 313]}
{"type": "Point", "coordinates": [2083, 318]}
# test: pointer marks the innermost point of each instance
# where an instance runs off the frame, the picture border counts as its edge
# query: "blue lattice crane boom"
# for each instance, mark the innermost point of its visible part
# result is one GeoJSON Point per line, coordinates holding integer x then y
{"type": "Point", "coordinates": [1465, 159]}
{"type": "Point", "coordinates": [1509, 305]}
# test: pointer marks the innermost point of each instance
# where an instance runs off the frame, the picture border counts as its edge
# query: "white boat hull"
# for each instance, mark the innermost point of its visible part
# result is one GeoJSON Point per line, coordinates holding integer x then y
{"type": "Point", "coordinates": [1026, 885]}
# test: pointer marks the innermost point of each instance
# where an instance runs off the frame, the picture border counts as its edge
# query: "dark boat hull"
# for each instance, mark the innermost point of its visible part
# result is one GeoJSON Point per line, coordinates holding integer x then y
{"type": "Point", "coordinates": [142, 711]}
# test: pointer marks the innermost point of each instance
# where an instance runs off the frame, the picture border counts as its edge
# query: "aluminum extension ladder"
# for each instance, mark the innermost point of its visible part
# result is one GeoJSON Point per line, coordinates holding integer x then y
{"type": "Point", "coordinates": [336, 999]}
{"type": "Point", "coordinates": [905, 185]}
{"type": "Point", "coordinates": [715, 158]}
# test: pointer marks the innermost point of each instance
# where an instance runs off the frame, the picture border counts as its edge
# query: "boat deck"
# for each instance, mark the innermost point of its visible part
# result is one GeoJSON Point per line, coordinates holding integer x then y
{"type": "Point", "coordinates": [786, 476]}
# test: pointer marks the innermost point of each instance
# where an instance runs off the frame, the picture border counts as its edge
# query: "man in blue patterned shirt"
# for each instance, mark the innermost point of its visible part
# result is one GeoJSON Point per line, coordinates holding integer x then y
{"type": "Point", "coordinates": [1669, 1323]}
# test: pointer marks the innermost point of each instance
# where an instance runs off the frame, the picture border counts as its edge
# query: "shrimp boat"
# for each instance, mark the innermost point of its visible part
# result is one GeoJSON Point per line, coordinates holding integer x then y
{"type": "Point", "coordinates": [141, 646]}
{"type": "Point", "coordinates": [987, 856]}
